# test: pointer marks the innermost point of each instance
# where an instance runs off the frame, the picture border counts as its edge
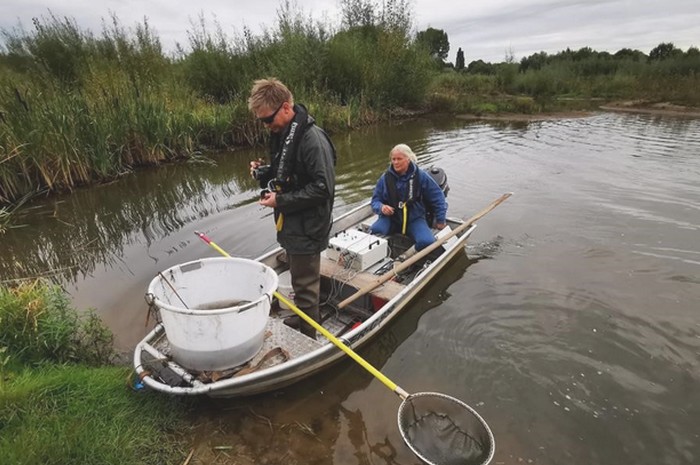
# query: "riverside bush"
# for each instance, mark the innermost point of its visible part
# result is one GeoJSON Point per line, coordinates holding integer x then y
{"type": "Point", "coordinates": [38, 325]}
{"type": "Point", "coordinates": [76, 107]}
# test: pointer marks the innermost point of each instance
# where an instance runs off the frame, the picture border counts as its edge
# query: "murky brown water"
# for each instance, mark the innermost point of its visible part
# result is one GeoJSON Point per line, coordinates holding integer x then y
{"type": "Point", "coordinates": [571, 326]}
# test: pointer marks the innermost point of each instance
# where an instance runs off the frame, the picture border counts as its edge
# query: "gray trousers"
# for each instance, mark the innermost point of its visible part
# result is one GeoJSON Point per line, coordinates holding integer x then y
{"type": "Point", "coordinates": [306, 282]}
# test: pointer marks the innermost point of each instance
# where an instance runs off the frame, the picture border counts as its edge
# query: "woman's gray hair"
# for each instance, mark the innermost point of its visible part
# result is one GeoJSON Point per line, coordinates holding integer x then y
{"type": "Point", "coordinates": [406, 150]}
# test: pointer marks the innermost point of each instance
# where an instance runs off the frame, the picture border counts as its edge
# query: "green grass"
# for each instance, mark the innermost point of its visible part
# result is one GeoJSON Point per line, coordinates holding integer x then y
{"type": "Point", "coordinates": [61, 402]}
{"type": "Point", "coordinates": [5, 219]}
{"type": "Point", "coordinates": [79, 415]}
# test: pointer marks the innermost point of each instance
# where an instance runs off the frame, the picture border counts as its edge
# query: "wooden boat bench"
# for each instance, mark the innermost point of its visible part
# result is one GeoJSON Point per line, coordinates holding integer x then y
{"type": "Point", "coordinates": [359, 279]}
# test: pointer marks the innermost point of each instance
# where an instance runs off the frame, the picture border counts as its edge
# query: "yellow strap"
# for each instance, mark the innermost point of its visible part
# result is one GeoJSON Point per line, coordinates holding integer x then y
{"type": "Point", "coordinates": [280, 222]}
{"type": "Point", "coordinates": [405, 218]}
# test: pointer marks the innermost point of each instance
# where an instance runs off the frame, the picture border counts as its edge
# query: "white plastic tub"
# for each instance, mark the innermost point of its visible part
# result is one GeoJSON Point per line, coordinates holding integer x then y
{"type": "Point", "coordinates": [221, 323]}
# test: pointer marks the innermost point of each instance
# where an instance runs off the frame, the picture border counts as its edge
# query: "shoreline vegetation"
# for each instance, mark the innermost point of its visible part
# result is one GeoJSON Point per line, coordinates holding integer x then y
{"type": "Point", "coordinates": [62, 400]}
{"type": "Point", "coordinates": [79, 108]}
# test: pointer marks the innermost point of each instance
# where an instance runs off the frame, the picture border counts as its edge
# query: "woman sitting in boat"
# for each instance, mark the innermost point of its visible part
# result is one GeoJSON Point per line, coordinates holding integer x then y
{"type": "Point", "coordinates": [401, 197]}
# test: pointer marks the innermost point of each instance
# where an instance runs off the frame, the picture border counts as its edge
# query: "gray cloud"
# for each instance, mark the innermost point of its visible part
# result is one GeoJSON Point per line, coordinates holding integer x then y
{"type": "Point", "coordinates": [484, 29]}
{"type": "Point", "coordinates": [553, 26]}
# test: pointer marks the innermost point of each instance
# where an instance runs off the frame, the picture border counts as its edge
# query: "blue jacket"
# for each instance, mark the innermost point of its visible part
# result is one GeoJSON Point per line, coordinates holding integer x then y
{"type": "Point", "coordinates": [429, 193]}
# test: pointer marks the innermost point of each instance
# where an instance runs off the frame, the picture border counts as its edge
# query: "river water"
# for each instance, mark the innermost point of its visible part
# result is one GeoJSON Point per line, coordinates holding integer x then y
{"type": "Point", "coordinates": [571, 325]}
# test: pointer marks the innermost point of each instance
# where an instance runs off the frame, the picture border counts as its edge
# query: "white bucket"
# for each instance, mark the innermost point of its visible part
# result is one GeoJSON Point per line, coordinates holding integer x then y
{"type": "Point", "coordinates": [226, 305]}
{"type": "Point", "coordinates": [285, 288]}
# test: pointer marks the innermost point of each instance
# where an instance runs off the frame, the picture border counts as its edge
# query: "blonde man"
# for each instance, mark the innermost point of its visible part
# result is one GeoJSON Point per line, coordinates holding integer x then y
{"type": "Point", "coordinates": [299, 184]}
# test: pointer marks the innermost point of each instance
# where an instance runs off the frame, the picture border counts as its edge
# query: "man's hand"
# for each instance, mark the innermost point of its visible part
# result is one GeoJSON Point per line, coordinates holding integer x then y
{"type": "Point", "coordinates": [254, 165]}
{"type": "Point", "coordinates": [269, 199]}
{"type": "Point", "coordinates": [441, 225]}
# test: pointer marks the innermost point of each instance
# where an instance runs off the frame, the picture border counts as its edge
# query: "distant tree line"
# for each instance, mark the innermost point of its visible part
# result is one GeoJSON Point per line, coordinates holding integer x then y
{"type": "Point", "coordinates": [586, 61]}
{"type": "Point", "coordinates": [568, 80]}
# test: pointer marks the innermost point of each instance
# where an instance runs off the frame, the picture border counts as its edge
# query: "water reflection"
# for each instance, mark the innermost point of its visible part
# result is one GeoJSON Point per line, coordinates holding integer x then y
{"type": "Point", "coordinates": [67, 237]}
{"type": "Point", "coordinates": [106, 243]}
{"type": "Point", "coordinates": [574, 332]}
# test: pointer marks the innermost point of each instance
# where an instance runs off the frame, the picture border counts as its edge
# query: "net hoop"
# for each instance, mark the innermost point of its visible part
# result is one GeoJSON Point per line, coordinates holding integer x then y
{"type": "Point", "coordinates": [405, 405]}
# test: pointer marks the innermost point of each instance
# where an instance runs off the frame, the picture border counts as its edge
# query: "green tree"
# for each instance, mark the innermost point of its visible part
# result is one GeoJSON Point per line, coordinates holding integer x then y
{"type": "Point", "coordinates": [358, 13]}
{"type": "Point", "coordinates": [373, 58]}
{"type": "Point", "coordinates": [664, 51]}
{"type": "Point", "coordinates": [535, 61]}
{"type": "Point", "coordinates": [628, 53]}
{"type": "Point", "coordinates": [459, 61]}
{"type": "Point", "coordinates": [481, 67]}
{"type": "Point", "coordinates": [394, 15]}
{"type": "Point", "coordinates": [583, 53]}
{"type": "Point", "coordinates": [436, 41]}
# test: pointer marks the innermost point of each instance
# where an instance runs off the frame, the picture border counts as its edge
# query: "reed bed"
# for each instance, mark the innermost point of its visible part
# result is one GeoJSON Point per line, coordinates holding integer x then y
{"type": "Point", "coordinates": [78, 107]}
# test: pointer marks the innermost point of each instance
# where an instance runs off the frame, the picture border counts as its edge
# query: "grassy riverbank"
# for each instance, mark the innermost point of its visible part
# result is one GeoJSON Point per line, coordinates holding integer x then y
{"type": "Point", "coordinates": [78, 107]}
{"type": "Point", "coordinates": [62, 401]}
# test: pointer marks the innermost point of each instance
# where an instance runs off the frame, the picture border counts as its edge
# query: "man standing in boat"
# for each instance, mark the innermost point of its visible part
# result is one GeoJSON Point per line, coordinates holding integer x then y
{"type": "Point", "coordinates": [299, 184]}
{"type": "Point", "coordinates": [402, 197]}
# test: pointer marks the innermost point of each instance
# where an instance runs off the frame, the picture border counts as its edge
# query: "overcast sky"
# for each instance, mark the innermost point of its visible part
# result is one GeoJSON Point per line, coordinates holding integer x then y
{"type": "Point", "coordinates": [484, 29]}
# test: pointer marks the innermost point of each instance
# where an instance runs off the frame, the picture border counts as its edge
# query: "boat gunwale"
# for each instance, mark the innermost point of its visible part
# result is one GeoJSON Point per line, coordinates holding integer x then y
{"type": "Point", "coordinates": [317, 359]}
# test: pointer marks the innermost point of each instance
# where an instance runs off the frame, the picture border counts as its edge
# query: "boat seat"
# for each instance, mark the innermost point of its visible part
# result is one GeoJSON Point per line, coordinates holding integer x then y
{"type": "Point", "coordinates": [366, 224]}
{"type": "Point", "coordinates": [359, 279]}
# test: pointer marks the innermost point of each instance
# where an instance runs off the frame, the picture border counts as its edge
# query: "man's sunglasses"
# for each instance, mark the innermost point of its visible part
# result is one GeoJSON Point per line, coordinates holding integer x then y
{"type": "Point", "coordinates": [270, 118]}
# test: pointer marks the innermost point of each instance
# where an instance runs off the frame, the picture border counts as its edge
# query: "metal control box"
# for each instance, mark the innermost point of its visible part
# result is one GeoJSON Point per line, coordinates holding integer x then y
{"type": "Point", "coordinates": [356, 249]}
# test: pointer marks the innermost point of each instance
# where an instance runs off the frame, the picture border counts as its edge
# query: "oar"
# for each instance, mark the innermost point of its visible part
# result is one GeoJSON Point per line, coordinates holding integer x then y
{"type": "Point", "coordinates": [467, 421]}
{"type": "Point", "coordinates": [366, 365]}
{"type": "Point", "coordinates": [399, 268]}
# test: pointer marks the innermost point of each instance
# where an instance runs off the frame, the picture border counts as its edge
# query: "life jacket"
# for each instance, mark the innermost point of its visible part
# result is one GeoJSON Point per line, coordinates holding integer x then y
{"type": "Point", "coordinates": [284, 155]}
{"type": "Point", "coordinates": [283, 149]}
{"type": "Point", "coordinates": [412, 194]}
{"type": "Point", "coordinates": [402, 205]}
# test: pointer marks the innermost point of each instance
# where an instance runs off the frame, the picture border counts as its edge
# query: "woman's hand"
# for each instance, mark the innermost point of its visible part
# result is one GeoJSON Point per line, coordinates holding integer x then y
{"type": "Point", "coordinates": [387, 210]}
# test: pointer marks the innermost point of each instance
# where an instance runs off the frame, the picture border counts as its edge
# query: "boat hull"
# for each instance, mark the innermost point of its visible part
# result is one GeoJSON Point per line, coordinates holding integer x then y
{"type": "Point", "coordinates": [287, 355]}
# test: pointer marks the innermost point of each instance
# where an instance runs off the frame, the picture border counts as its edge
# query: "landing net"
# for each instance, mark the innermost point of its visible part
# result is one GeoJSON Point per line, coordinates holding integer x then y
{"type": "Point", "coordinates": [442, 430]}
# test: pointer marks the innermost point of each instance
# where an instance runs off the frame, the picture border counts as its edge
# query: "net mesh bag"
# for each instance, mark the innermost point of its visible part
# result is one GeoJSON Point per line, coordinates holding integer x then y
{"type": "Point", "coordinates": [442, 430]}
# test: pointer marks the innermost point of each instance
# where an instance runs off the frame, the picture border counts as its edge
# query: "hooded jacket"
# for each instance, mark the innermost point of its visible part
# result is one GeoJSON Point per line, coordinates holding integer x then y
{"type": "Point", "coordinates": [306, 203]}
